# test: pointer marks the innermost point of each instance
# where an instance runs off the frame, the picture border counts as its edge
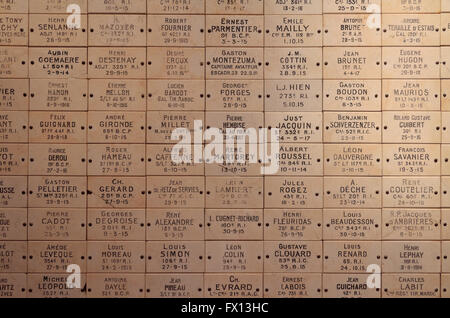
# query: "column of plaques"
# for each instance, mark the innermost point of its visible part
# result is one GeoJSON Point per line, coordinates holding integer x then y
{"type": "Point", "coordinates": [294, 193]}
{"type": "Point", "coordinates": [352, 149]}
{"type": "Point", "coordinates": [445, 149]}
{"type": "Point", "coordinates": [411, 217]}
{"type": "Point", "coordinates": [116, 257]}
{"type": "Point", "coordinates": [234, 184]}
{"type": "Point", "coordinates": [14, 93]}
{"type": "Point", "coordinates": [175, 184]}
{"type": "Point", "coordinates": [57, 150]}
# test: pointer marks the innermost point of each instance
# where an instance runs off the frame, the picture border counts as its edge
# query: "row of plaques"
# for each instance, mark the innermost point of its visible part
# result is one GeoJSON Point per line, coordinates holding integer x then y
{"type": "Point", "coordinates": [227, 7]}
{"type": "Point", "coordinates": [70, 224]}
{"type": "Point", "coordinates": [224, 95]}
{"type": "Point", "coordinates": [225, 256]}
{"type": "Point", "coordinates": [226, 63]}
{"type": "Point", "coordinates": [236, 285]}
{"type": "Point", "coordinates": [225, 30]}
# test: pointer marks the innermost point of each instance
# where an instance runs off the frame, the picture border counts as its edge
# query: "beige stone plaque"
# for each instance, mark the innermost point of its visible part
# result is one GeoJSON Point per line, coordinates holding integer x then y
{"type": "Point", "coordinates": [234, 95]}
{"type": "Point", "coordinates": [116, 192]}
{"type": "Point", "coordinates": [234, 257]}
{"type": "Point", "coordinates": [115, 285]}
{"type": "Point", "coordinates": [411, 30]}
{"type": "Point", "coordinates": [296, 127]}
{"type": "Point", "coordinates": [349, 6]}
{"type": "Point", "coordinates": [234, 192]}
{"type": "Point", "coordinates": [293, 95]}
{"type": "Point", "coordinates": [358, 225]}
{"type": "Point", "coordinates": [160, 126]}
{"type": "Point", "coordinates": [55, 256]}
{"type": "Point", "coordinates": [116, 225]}
{"type": "Point", "coordinates": [445, 222]}
{"type": "Point", "coordinates": [351, 63]}
{"type": "Point", "coordinates": [445, 98]}
{"type": "Point", "coordinates": [58, 127]}
{"type": "Point", "coordinates": [350, 256]}
{"type": "Point", "coordinates": [293, 63]}
{"type": "Point", "coordinates": [56, 192]}
{"type": "Point", "coordinates": [14, 29]}
{"type": "Point", "coordinates": [160, 163]}
{"type": "Point", "coordinates": [13, 257]}
{"type": "Point", "coordinates": [411, 95]}
{"type": "Point", "coordinates": [117, 62]}
{"type": "Point", "coordinates": [117, 95]}
{"type": "Point", "coordinates": [445, 197]}
{"type": "Point", "coordinates": [115, 257]}
{"type": "Point", "coordinates": [411, 285]}
{"type": "Point", "coordinates": [292, 285]}
{"type": "Point", "coordinates": [411, 192]}
{"type": "Point", "coordinates": [242, 224]}
{"type": "Point", "coordinates": [116, 127]}
{"type": "Point", "coordinates": [352, 95]}
{"type": "Point", "coordinates": [445, 159]}
{"type": "Point", "coordinates": [56, 224]}
{"type": "Point", "coordinates": [13, 126]}
{"type": "Point", "coordinates": [14, 6]}
{"type": "Point", "coordinates": [14, 159]}
{"type": "Point", "coordinates": [238, 7]}
{"type": "Point", "coordinates": [175, 224]}
{"type": "Point", "coordinates": [352, 192]}
{"type": "Point", "coordinates": [292, 225]}
{"type": "Point", "coordinates": [352, 127]}
{"type": "Point", "coordinates": [292, 7]}
{"type": "Point", "coordinates": [174, 285]}
{"type": "Point", "coordinates": [125, 159]}
{"type": "Point", "coordinates": [175, 192]}
{"type": "Point", "coordinates": [234, 30]}
{"type": "Point", "coordinates": [52, 30]}
{"type": "Point", "coordinates": [401, 6]}
{"type": "Point", "coordinates": [445, 6]}
{"type": "Point", "coordinates": [13, 225]}
{"type": "Point", "coordinates": [236, 285]}
{"type": "Point", "coordinates": [352, 159]}
{"type": "Point", "coordinates": [412, 160]}
{"type": "Point", "coordinates": [293, 257]}
{"type": "Point", "coordinates": [13, 62]}
{"type": "Point", "coordinates": [445, 255]}
{"type": "Point", "coordinates": [233, 63]}
{"type": "Point", "coordinates": [13, 285]}
{"type": "Point", "coordinates": [412, 127]}
{"type": "Point", "coordinates": [175, 7]}
{"type": "Point", "coordinates": [14, 94]}
{"type": "Point", "coordinates": [13, 192]}
{"type": "Point", "coordinates": [186, 95]}
{"type": "Point", "coordinates": [171, 63]}
{"type": "Point", "coordinates": [117, 30]}
{"type": "Point", "coordinates": [59, 94]}
{"type": "Point", "coordinates": [176, 257]}
{"type": "Point", "coordinates": [297, 159]}
{"type": "Point", "coordinates": [445, 285]}
{"type": "Point", "coordinates": [445, 127]}
{"type": "Point", "coordinates": [54, 286]}
{"type": "Point", "coordinates": [343, 30]}
{"type": "Point", "coordinates": [411, 62]}
{"type": "Point", "coordinates": [57, 159]}
{"type": "Point", "coordinates": [293, 192]}
{"type": "Point", "coordinates": [445, 62]}
{"type": "Point", "coordinates": [58, 62]}
{"type": "Point", "coordinates": [58, 6]}
{"type": "Point", "coordinates": [412, 224]}
{"type": "Point", "coordinates": [241, 122]}
{"type": "Point", "coordinates": [288, 30]}
{"type": "Point", "coordinates": [348, 286]}
{"type": "Point", "coordinates": [117, 6]}
{"type": "Point", "coordinates": [407, 257]}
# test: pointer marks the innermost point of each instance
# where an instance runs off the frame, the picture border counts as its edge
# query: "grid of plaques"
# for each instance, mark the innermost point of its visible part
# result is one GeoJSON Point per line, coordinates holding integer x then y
{"type": "Point", "coordinates": [229, 148]}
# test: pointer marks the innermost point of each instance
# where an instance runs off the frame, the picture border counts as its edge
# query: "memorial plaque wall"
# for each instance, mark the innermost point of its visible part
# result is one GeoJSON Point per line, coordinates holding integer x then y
{"type": "Point", "coordinates": [199, 148]}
